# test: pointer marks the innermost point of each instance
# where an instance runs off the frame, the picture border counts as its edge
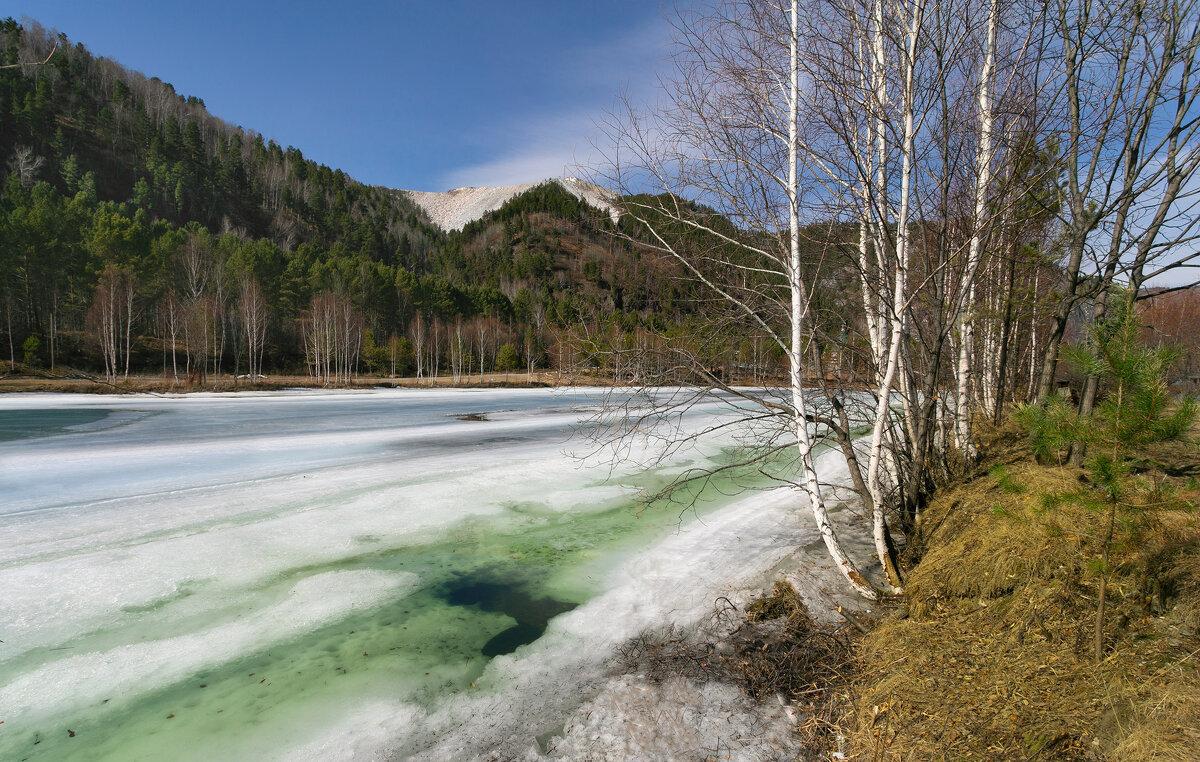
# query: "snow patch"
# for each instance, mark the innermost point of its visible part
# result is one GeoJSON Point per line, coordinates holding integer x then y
{"type": "Point", "coordinates": [92, 678]}
{"type": "Point", "coordinates": [527, 694]}
{"type": "Point", "coordinates": [454, 209]}
{"type": "Point", "coordinates": [634, 719]}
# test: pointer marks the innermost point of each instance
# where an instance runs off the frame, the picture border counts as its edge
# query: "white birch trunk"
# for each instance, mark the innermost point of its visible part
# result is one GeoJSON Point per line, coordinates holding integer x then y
{"type": "Point", "coordinates": [898, 308]}
{"type": "Point", "coordinates": [128, 322]}
{"type": "Point", "coordinates": [983, 177]}
{"type": "Point", "coordinates": [1033, 343]}
{"type": "Point", "coordinates": [880, 206]}
{"type": "Point", "coordinates": [798, 309]}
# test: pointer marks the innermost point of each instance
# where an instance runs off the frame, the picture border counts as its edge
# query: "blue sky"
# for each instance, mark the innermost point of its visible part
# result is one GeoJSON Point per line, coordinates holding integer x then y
{"type": "Point", "coordinates": [422, 95]}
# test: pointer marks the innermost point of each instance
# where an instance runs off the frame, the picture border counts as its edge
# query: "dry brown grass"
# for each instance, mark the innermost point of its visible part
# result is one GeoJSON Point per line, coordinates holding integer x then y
{"type": "Point", "coordinates": [993, 658]}
{"type": "Point", "coordinates": [156, 384]}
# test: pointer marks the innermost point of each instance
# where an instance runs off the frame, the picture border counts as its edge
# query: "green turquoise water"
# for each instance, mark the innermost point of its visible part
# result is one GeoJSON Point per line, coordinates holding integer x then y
{"type": "Point", "coordinates": [222, 532]}
{"type": "Point", "coordinates": [485, 587]}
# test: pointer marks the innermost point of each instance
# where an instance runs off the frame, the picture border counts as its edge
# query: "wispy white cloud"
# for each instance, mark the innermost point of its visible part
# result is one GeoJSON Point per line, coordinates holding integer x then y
{"type": "Point", "coordinates": [569, 136]}
{"type": "Point", "coordinates": [532, 149]}
{"type": "Point", "coordinates": [511, 169]}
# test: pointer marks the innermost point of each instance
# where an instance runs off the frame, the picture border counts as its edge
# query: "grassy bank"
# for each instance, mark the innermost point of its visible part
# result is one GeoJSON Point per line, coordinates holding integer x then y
{"type": "Point", "coordinates": [992, 656]}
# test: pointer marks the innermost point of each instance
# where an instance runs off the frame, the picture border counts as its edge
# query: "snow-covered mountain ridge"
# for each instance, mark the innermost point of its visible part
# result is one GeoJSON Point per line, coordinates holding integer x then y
{"type": "Point", "coordinates": [454, 209]}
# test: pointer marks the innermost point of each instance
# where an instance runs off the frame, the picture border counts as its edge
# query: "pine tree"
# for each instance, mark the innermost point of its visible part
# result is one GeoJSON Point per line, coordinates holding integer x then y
{"type": "Point", "coordinates": [1137, 410]}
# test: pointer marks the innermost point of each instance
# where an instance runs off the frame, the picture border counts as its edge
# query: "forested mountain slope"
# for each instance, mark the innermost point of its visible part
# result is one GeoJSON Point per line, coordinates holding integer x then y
{"type": "Point", "coordinates": [133, 222]}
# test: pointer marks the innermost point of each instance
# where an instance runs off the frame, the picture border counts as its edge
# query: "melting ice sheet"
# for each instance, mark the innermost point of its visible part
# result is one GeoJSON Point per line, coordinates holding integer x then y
{"type": "Point", "coordinates": [329, 575]}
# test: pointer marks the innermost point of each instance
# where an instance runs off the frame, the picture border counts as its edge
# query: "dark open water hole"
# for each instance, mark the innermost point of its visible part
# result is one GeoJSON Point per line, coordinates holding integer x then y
{"type": "Point", "coordinates": [506, 596]}
{"type": "Point", "coordinates": [29, 424]}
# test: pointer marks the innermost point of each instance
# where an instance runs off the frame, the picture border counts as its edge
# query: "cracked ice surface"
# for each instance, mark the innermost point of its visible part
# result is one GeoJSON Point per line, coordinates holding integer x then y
{"type": "Point", "coordinates": [265, 575]}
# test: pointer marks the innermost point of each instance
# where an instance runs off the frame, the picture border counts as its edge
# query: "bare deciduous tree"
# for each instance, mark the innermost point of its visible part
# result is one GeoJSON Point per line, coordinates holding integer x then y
{"type": "Point", "coordinates": [332, 332]}
{"type": "Point", "coordinates": [170, 317]}
{"type": "Point", "coordinates": [416, 334]}
{"type": "Point", "coordinates": [111, 318]}
{"type": "Point", "coordinates": [1125, 104]}
{"type": "Point", "coordinates": [863, 146]}
{"type": "Point", "coordinates": [252, 310]}
{"type": "Point", "coordinates": [729, 135]}
{"type": "Point", "coordinates": [25, 165]}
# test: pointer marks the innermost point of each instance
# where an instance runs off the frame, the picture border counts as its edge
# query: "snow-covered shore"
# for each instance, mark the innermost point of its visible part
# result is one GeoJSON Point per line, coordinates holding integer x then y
{"type": "Point", "coordinates": [265, 576]}
{"type": "Point", "coordinates": [560, 698]}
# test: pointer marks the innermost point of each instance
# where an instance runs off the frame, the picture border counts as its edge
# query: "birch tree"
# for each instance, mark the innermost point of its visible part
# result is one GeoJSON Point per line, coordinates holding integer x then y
{"type": "Point", "coordinates": [898, 312]}
{"type": "Point", "coordinates": [170, 318]}
{"type": "Point", "coordinates": [252, 310]}
{"type": "Point", "coordinates": [111, 318]}
{"type": "Point", "coordinates": [416, 334]}
{"type": "Point", "coordinates": [913, 107]}
{"type": "Point", "coordinates": [730, 136]}
{"type": "Point", "coordinates": [983, 178]}
{"type": "Point", "coordinates": [194, 263]}
{"type": "Point", "coordinates": [892, 124]}
{"type": "Point", "coordinates": [332, 331]}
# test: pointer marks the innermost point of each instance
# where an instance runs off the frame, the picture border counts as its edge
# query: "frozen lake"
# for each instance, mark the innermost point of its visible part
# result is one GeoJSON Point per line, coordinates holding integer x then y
{"type": "Point", "coordinates": [346, 575]}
